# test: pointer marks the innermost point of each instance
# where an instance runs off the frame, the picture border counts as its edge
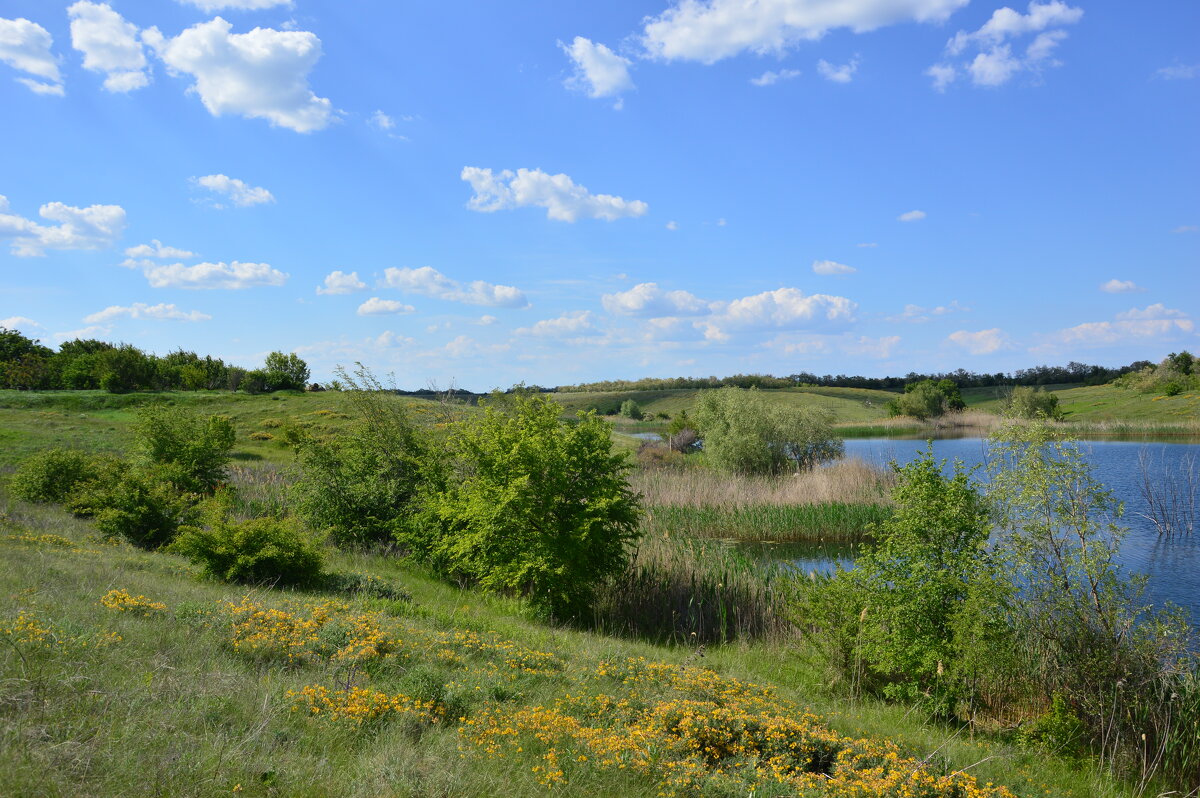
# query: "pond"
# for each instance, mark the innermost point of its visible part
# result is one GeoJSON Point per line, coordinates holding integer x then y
{"type": "Point", "coordinates": [1172, 564]}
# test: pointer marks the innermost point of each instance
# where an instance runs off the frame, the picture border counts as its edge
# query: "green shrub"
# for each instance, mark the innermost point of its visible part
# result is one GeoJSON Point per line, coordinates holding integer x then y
{"type": "Point", "coordinates": [535, 505]}
{"type": "Point", "coordinates": [1030, 402]}
{"type": "Point", "coordinates": [142, 505]}
{"type": "Point", "coordinates": [744, 434]}
{"type": "Point", "coordinates": [631, 409]}
{"type": "Point", "coordinates": [51, 476]}
{"type": "Point", "coordinates": [197, 446]}
{"type": "Point", "coordinates": [927, 399]}
{"type": "Point", "coordinates": [260, 550]}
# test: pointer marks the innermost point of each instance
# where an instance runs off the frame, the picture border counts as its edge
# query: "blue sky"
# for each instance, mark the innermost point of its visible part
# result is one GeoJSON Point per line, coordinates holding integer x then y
{"type": "Point", "coordinates": [557, 192]}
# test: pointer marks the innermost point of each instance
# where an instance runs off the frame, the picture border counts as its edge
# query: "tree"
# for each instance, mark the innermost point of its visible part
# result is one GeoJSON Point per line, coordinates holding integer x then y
{"type": "Point", "coordinates": [196, 448]}
{"type": "Point", "coordinates": [744, 434]}
{"type": "Point", "coordinates": [535, 505]}
{"type": "Point", "coordinates": [286, 371]}
{"type": "Point", "coordinates": [631, 409]}
{"type": "Point", "coordinates": [1030, 402]}
{"type": "Point", "coordinates": [927, 399]}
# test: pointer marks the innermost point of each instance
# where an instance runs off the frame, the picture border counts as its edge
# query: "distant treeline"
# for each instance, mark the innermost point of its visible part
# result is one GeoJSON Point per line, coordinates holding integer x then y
{"type": "Point", "coordinates": [89, 364]}
{"type": "Point", "coordinates": [1073, 372]}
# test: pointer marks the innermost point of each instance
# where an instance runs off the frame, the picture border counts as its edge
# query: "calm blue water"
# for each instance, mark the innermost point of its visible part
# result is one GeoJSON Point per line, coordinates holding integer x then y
{"type": "Point", "coordinates": [1173, 565]}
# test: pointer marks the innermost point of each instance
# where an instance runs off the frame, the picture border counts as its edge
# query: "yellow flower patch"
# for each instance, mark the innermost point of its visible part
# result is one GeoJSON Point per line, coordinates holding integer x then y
{"type": "Point", "coordinates": [123, 601]}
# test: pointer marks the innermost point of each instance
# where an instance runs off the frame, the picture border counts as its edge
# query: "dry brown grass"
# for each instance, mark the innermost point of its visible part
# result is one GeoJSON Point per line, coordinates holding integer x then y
{"type": "Point", "coordinates": [851, 481]}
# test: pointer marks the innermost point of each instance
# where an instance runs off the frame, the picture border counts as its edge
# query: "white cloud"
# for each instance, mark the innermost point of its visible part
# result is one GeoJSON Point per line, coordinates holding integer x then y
{"type": "Point", "coordinates": [598, 70]}
{"type": "Point", "coordinates": [382, 121]}
{"type": "Point", "coordinates": [770, 78]}
{"type": "Point", "coordinates": [831, 267]}
{"type": "Point", "coordinates": [25, 46]}
{"type": "Point", "coordinates": [563, 199]}
{"type": "Point", "coordinates": [486, 321]}
{"type": "Point", "coordinates": [338, 282]}
{"type": "Point", "coordinates": [236, 5]}
{"type": "Point", "coordinates": [463, 346]}
{"type": "Point", "coordinates": [870, 245]}
{"type": "Point", "coordinates": [647, 300]}
{"type": "Point", "coordinates": [672, 226]}
{"type": "Point", "coordinates": [1187, 228]}
{"type": "Point", "coordinates": [911, 216]}
{"type": "Point", "coordinates": [156, 249]}
{"type": "Point", "coordinates": [916, 314]}
{"type": "Point", "coordinates": [838, 74]}
{"type": "Point", "coordinates": [91, 331]}
{"type": "Point", "coordinates": [381, 307]}
{"type": "Point", "coordinates": [1115, 286]}
{"type": "Point", "coordinates": [943, 75]}
{"type": "Point", "coordinates": [983, 342]}
{"type": "Point", "coordinates": [566, 325]}
{"type": "Point", "coordinates": [430, 282]}
{"type": "Point", "coordinates": [238, 192]}
{"type": "Point", "coordinates": [140, 310]}
{"type": "Point", "coordinates": [1131, 326]}
{"type": "Point", "coordinates": [879, 348]}
{"type": "Point", "coordinates": [1178, 72]}
{"type": "Point", "coordinates": [783, 308]}
{"type": "Point", "coordinates": [262, 74]}
{"type": "Point", "coordinates": [109, 44]}
{"type": "Point", "coordinates": [19, 322]}
{"type": "Point", "coordinates": [94, 227]}
{"type": "Point", "coordinates": [995, 63]}
{"type": "Point", "coordinates": [230, 276]}
{"type": "Point", "coordinates": [709, 30]}
{"type": "Point", "coordinates": [1156, 311]}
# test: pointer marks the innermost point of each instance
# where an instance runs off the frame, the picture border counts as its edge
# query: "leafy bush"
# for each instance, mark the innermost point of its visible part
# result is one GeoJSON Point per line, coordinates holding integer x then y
{"type": "Point", "coordinates": [260, 550]}
{"type": "Point", "coordinates": [286, 371]}
{"type": "Point", "coordinates": [744, 434]}
{"type": "Point", "coordinates": [927, 399]}
{"type": "Point", "coordinates": [631, 409]}
{"type": "Point", "coordinates": [142, 505]}
{"type": "Point", "coordinates": [1030, 402]}
{"type": "Point", "coordinates": [535, 505]}
{"type": "Point", "coordinates": [198, 447]}
{"type": "Point", "coordinates": [51, 476]}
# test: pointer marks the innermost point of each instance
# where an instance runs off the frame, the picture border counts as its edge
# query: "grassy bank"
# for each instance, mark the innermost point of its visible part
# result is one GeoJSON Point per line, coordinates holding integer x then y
{"type": "Point", "coordinates": [202, 689]}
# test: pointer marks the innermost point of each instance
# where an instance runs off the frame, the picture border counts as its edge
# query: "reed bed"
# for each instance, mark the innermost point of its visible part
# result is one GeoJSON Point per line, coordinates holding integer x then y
{"type": "Point", "coordinates": [770, 522]}
{"type": "Point", "coordinates": [974, 421]}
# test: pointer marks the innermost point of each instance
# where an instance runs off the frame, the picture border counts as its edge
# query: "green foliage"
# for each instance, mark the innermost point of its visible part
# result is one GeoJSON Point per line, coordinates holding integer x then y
{"type": "Point", "coordinates": [745, 434]}
{"type": "Point", "coordinates": [364, 487]}
{"type": "Point", "coordinates": [51, 476]}
{"type": "Point", "coordinates": [927, 399]}
{"type": "Point", "coordinates": [197, 446]}
{"type": "Point", "coordinates": [257, 551]}
{"type": "Point", "coordinates": [1178, 372]}
{"type": "Point", "coordinates": [285, 371]}
{"type": "Point", "coordinates": [682, 435]}
{"type": "Point", "coordinates": [631, 409]}
{"type": "Point", "coordinates": [1059, 731]}
{"type": "Point", "coordinates": [126, 368]}
{"type": "Point", "coordinates": [141, 505]}
{"type": "Point", "coordinates": [536, 506]}
{"type": "Point", "coordinates": [1030, 402]}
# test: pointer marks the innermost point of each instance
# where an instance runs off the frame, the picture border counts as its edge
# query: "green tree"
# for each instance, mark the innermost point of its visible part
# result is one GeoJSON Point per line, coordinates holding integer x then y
{"type": "Point", "coordinates": [631, 409]}
{"type": "Point", "coordinates": [927, 399]}
{"type": "Point", "coordinates": [1030, 402]}
{"type": "Point", "coordinates": [286, 371]}
{"type": "Point", "coordinates": [196, 447]}
{"type": "Point", "coordinates": [743, 433]}
{"type": "Point", "coordinates": [535, 505]}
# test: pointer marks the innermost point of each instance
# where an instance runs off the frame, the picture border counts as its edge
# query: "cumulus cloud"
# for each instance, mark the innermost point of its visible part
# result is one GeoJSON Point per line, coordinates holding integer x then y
{"type": "Point", "coordinates": [1156, 311]}
{"type": "Point", "coordinates": [140, 310]}
{"type": "Point", "coordinates": [982, 342]}
{"type": "Point", "coordinates": [1131, 326]}
{"type": "Point", "coordinates": [94, 227]}
{"type": "Point", "coordinates": [996, 61]}
{"type": "Point", "coordinates": [25, 46]}
{"type": "Point", "coordinates": [783, 308]}
{"type": "Point", "coordinates": [156, 249]}
{"type": "Point", "coordinates": [1115, 286]}
{"type": "Point", "coordinates": [672, 226]}
{"type": "Point", "coordinates": [383, 307]}
{"type": "Point", "coordinates": [566, 325]}
{"type": "Point", "coordinates": [382, 121]}
{"type": "Point", "coordinates": [236, 5]}
{"type": "Point", "coordinates": [109, 44]}
{"type": "Point", "coordinates": [563, 199]}
{"type": "Point", "coordinates": [911, 216]}
{"type": "Point", "coordinates": [338, 282]}
{"type": "Point", "coordinates": [831, 267]}
{"type": "Point", "coordinates": [428, 281]}
{"type": "Point", "coordinates": [916, 314]}
{"type": "Point", "coordinates": [709, 30]}
{"type": "Point", "coordinates": [238, 192]}
{"type": "Point", "coordinates": [229, 276]}
{"type": "Point", "coordinates": [599, 72]}
{"type": "Point", "coordinates": [19, 322]}
{"type": "Point", "coordinates": [486, 320]}
{"type": "Point", "coordinates": [770, 78]}
{"type": "Point", "coordinates": [262, 74]}
{"type": "Point", "coordinates": [647, 300]}
{"type": "Point", "coordinates": [835, 73]}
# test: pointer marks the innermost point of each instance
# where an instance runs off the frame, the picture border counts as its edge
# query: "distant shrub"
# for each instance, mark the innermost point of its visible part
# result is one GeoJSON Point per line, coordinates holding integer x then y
{"type": "Point", "coordinates": [143, 506]}
{"type": "Point", "coordinates": [261, 436]}
{"type": "Point", "coordinates": [745, 434]}
{"type": "Point", "coordinates": [927, 399]}
{"type": "Point", "coordinates": [631, 409]}
{"type": "Point", "coordinates": [1030, 402]}
{"type": "Point", "coordinates": [51, 476]}
{"type": "Point", "coordinates": [255, 551]}
{"type": "Point", "coordinates": [198, 446]}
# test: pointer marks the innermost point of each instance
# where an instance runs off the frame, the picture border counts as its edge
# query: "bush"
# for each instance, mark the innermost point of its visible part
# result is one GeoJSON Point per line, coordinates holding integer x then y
{"type": "Point", "coordinates": [536, 506]}
{"type": "Point", "coordinates": [927, 399]}
{"type": "Point", "coordinates": [142, 505]}
{"type": "Point", "coordinates": [51, 476]}
{"type": "Point", "coordinates": [1030, 402]}
{"type": "Point", "coordinates": [260, 550]}
{"type": "Point", "coordinates": [197, 447]}
{"type": "Point", "coordinates": [631, 409]}
{"type": "Point", "coordinates": [744, 434]}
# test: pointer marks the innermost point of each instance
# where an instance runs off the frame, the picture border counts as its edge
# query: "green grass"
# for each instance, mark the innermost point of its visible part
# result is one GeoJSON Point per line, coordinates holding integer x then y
{"type": "Point", "coordinates": [170, 708]}
{"type": "Point", "coordinates": [801, 522]}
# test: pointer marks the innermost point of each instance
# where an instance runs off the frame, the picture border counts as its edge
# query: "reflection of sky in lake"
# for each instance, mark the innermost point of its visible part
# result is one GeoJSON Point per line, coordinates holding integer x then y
{"type": "Point", "coordinates": [1173, 565]}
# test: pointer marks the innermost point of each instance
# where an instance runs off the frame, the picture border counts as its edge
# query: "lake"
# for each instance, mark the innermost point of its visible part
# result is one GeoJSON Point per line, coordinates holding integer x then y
{"type": "Point", "coordinates": [1172, 565]}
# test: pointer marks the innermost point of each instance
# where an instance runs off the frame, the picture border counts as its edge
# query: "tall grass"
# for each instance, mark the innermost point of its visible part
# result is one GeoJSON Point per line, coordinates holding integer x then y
{"type": "Point", "coordinates": [851, 481]}
{"type": "Point", "coordinates": [972, 421]}
{"type": "Point", "coordinates": [773, 522]}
